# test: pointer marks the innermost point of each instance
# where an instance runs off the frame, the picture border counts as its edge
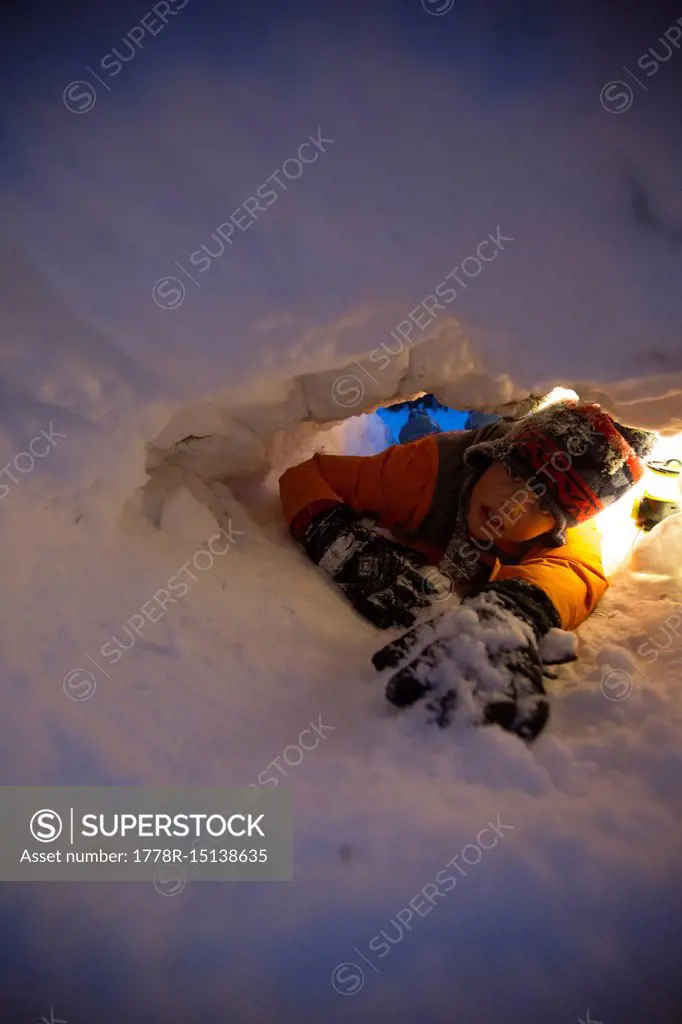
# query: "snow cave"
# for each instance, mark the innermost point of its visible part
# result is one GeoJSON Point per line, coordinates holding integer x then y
{"type": "Point", "coordinates": [491, 220]}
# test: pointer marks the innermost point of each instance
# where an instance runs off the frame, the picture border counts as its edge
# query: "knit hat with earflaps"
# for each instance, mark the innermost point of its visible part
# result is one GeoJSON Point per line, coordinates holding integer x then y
{"type": "Point", "coordinates": [576, 459]}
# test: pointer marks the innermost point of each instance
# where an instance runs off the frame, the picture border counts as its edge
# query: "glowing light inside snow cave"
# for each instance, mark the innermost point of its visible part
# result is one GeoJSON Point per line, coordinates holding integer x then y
{"type": "Point", "coordinates": [617, 525]}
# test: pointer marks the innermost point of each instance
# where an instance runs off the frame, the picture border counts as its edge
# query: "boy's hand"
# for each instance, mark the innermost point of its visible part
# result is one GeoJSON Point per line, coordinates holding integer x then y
{"type": "Point", "coordinates": [479, 662]}
{"type": "Point", "coordinates": [378, 576]}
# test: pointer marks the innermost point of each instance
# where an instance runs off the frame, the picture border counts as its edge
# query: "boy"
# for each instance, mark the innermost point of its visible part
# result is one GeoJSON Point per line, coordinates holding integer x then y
{"type": "Point", "coordinates": [505, 511]}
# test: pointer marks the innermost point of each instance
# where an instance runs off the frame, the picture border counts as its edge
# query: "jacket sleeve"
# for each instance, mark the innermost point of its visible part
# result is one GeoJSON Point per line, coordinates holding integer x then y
{"type": "Point", "coordinates": [396, 484]}
{"type": "Point", "coordinates": [572, 576]}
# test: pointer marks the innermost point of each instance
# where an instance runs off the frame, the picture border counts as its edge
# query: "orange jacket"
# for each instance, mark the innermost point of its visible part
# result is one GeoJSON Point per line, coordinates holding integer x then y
{"type": "Point", "coordinates": [398, 485]}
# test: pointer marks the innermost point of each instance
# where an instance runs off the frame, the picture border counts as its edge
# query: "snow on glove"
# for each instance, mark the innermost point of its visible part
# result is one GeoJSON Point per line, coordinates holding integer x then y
{"type": "Point", "coordinates": [479, 662]}
{"type": "Point", "coordinates": [378, 576]}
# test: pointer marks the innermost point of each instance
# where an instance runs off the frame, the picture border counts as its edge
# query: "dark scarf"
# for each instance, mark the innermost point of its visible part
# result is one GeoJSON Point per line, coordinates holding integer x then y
{"type": "Point", "coordinates": [462, 561]}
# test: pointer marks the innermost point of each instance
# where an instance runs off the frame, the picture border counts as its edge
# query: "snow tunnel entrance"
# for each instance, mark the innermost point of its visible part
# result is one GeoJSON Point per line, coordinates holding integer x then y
{"type": "Point", "coordinates": [229, 452]}
{"type": "Point", "coordinates": [224, 455]}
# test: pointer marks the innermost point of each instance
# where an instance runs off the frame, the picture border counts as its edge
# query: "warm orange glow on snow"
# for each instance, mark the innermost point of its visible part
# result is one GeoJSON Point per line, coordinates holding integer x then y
{"type": "Point", "coordinates": [616, 525]}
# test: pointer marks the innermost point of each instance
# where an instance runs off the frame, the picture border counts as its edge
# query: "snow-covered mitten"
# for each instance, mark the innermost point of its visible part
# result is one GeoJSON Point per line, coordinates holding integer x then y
{"type": "Point", "coordinates": [379, 577]}
{"type": "Point", "coordinates": [480, 662]}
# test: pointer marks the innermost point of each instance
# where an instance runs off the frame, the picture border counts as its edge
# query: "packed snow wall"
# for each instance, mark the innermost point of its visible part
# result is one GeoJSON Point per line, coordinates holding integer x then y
{"type": "Point", "coordinates": [198, 236]}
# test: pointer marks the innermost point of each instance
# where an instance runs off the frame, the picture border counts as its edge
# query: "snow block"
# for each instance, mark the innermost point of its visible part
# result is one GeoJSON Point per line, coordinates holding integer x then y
{"type": "Point", "coordinates": [660, 551]}
{"type": "Point", "coordinates": [204, 440]}
{"type": "Point", "coordinates": [447, 366]}
{"type": "Point", "coordinates": [356, 387]}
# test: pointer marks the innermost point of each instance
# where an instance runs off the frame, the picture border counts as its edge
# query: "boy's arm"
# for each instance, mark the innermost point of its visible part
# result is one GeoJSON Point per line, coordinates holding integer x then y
{"type": "Point", "coordinates": [396, 484]}
{"type": "Point", "coordinates": [548, 589]}
{"type": "Point", "coordinates": [324, 500]}
{"type": "Point", "coordinates": [572, 576]}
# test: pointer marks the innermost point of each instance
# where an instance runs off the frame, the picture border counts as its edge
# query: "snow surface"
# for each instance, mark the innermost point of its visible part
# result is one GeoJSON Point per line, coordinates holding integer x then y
{"type": "Point", "coordinates": [579, 903]}
{"type": "Point", "coordinates": [583, 886]}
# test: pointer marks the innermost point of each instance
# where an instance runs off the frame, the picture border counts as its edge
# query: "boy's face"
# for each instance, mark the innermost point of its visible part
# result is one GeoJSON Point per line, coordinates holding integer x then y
{"type": "Point", "coordinates": [503, 508]}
